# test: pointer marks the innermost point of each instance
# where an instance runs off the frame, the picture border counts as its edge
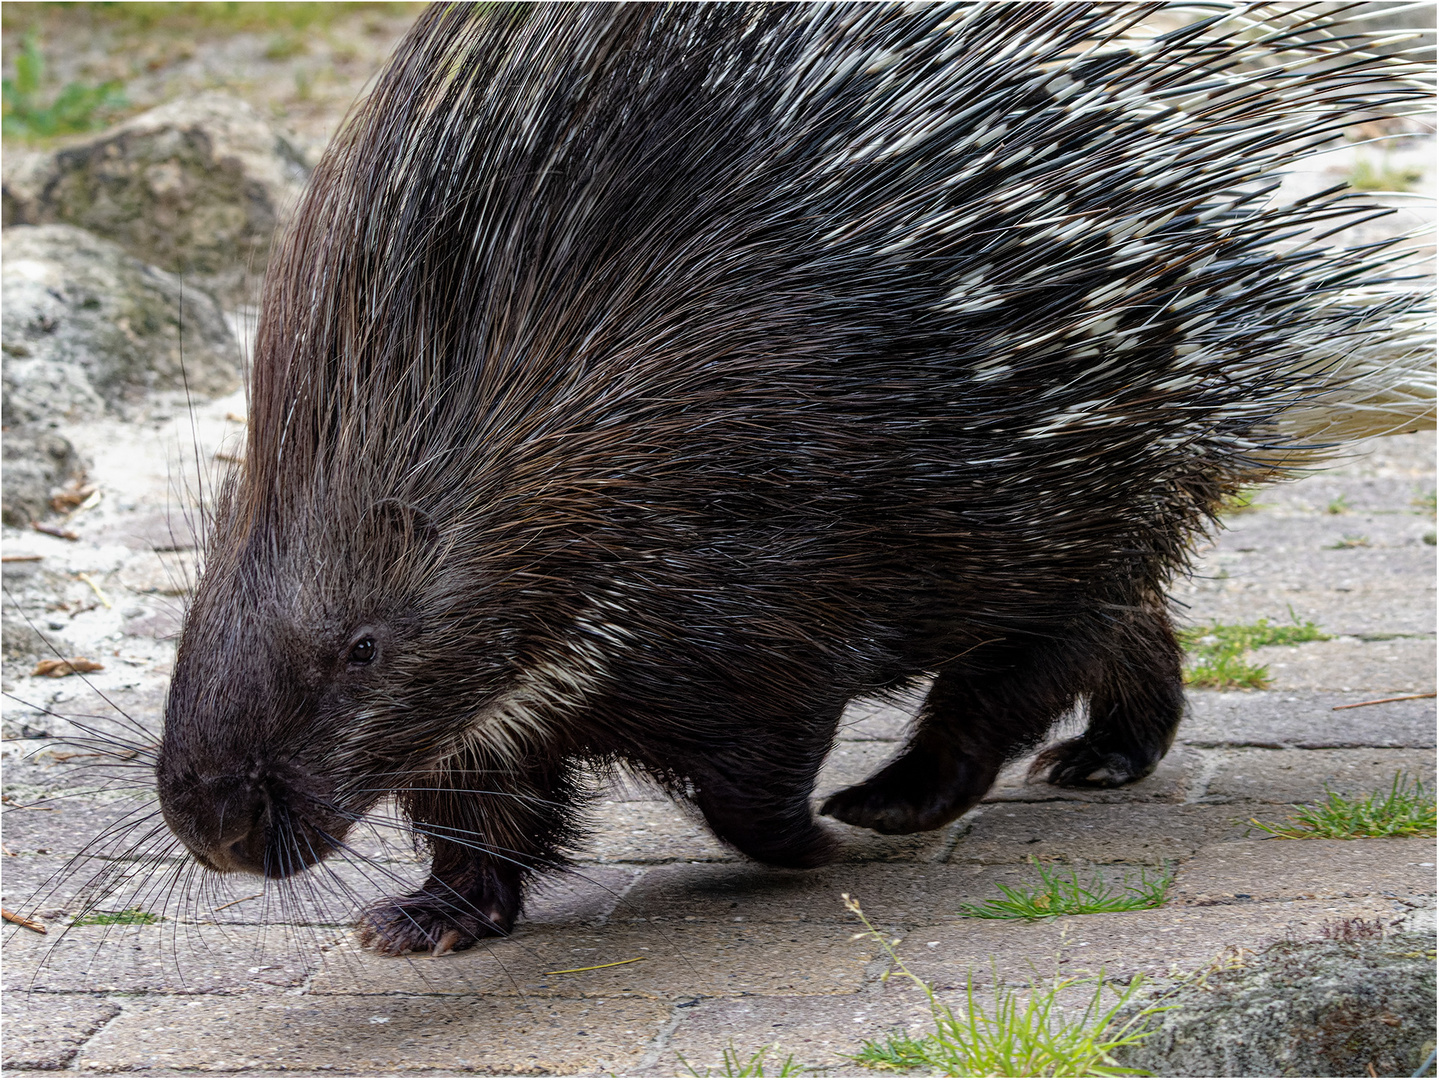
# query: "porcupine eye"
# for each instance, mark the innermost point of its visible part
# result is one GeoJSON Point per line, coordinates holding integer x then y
{"type": "Point", "coordinates": [362, 651]}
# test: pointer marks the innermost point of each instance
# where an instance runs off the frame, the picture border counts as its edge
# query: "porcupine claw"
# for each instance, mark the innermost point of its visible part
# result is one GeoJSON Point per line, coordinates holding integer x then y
{"type": "Point", "coordinates": [444, 916]}
{"type": "Point", "coordinates": [1079, 763]}
{"type": "Point", "coordinates": [446, 944]}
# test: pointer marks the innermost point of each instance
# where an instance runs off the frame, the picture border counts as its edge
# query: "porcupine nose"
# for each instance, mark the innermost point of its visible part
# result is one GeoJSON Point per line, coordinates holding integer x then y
{"type": "Point", "coordinates": [244, 850]}
{"type": "Point", "coordinates": [240, 833]}
{"type": "Point", "coordinates": [224, 821]}
{"type": "Point", "coordinates": [266, 819]}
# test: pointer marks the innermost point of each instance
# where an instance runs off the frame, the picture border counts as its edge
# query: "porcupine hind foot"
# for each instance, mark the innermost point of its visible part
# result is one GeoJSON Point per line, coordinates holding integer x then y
{"type": "Point", "coordinates": [453, 910]}
{"type": "Point", "coordinates": [1134, 710]}
{"type": "Point", "coordinates": [969, 727]}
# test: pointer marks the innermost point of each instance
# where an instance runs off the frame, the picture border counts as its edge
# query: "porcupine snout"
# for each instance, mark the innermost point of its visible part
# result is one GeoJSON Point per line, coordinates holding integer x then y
{"type": "Point", "coordinates": [268, 821]}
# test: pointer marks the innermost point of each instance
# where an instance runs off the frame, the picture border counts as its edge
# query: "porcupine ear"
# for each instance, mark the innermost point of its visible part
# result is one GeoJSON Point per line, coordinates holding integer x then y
{"type": "Point", "coordinates": [407, 524]}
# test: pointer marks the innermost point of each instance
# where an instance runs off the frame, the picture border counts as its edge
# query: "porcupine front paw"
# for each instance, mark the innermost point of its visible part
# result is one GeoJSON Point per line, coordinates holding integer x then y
{"type": "Point", "coordinates": [442, 917]}
{"type": "Point", "coordinates": [1081, 763]}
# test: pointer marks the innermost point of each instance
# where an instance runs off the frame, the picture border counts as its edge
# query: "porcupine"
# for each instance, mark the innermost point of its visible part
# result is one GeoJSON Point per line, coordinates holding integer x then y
{"type": "Point", "coordinates": [642, 384]}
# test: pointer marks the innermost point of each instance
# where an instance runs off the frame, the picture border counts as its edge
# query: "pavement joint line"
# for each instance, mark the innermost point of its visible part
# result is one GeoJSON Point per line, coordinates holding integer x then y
{"type": "Point", "coordinates": [661, 1039]}
{"type": "Point", "coordinates": [73, 1065]}
{"type": "Point", "coordinates": [957, 832]}
{"type": "Point", "coordinates": [636, 873]}
{"type": "Point", "coordinates": [1209, 763]}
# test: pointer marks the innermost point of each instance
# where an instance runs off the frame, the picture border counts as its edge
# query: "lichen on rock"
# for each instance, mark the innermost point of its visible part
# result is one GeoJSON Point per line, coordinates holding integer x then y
{"type": "Point", "coordinates": [1359, 1007]}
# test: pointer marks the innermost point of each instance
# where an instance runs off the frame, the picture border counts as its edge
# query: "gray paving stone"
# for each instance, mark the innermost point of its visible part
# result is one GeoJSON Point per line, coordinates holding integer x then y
{"type": "Point", "coordinates": [1360, 494]}
{"type": "Point", "coordinates": [45, 1031]}
{"type": "Point", "coordinates": [1303, 776]}
{"type": "Point", "coordinates": [57, 885]}
{"type": "Point", "coordinates": [379, 1036]}
{"type": "Point", "coordinates": [67, 826]}
{"type": "Point", "coordinates": [1261, 538]}
{"type": "Point", "coordinates": [886, 721]}
{"type": "Point", "coordinates": [1143, 834]}
{"type": "Point", "coordinates": [896, 894]}
{"type": "Point", "coordinates": [578, 897]}
{"type": "Point", "coordinates": [1170, 941]}
{"type": "Point", "coordinates": [1397, 666]}
{"type": "Point", "coordinates": [1356, 592]}
{"type": "Point", "coordinates": [852, 763]}
{"type": "Point", "coordinates": [1303, 720]}
{"type": "Point", "coordinates": [1306, 870]}
{"type": "Point", "coordinates": [648, 832]}
{"type": "Point", "coordinates": [816, 1032]}
{"type": "Point", "coordinates": [163, 958]}
{"type": "Point", "coordinates": [678, 959]}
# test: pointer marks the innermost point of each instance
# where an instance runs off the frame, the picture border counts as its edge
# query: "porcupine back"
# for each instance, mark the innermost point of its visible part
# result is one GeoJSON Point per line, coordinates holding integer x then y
{"type": "Point", "coordinates": [717, 351]}
{"type": "Point", "coordinates": [954, 279]}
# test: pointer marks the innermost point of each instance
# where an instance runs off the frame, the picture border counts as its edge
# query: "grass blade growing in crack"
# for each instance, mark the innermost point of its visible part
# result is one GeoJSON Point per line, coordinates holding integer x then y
{"type": "Point", "coordinates": [1058, 895]}
{"type": "Point", "coordinates": [733, 1064]}
{"type": "Point", "coordinates": [1018, 1035]}
{"type": "Point", "coordinates": [1407, 809]}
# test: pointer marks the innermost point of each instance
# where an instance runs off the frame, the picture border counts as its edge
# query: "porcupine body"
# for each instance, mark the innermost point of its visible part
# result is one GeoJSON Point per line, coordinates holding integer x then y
{"type": "Point", "coordinates": [644, 383]}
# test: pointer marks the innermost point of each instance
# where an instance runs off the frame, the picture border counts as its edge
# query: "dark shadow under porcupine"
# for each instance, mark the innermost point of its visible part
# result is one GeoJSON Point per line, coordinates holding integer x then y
{"type": "Point", "coordinates": [644, 383]}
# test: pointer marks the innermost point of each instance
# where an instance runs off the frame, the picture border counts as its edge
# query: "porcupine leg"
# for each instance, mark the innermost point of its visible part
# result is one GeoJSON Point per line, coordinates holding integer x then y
{"type": "Point", "coordinates": [488, 830]}
{"type": "Point", "coordinates": [758, 799]}
{"type": "Point", "coordinates": [970, 725]}
{"type": "Point", "coordinates": [1135, 705]}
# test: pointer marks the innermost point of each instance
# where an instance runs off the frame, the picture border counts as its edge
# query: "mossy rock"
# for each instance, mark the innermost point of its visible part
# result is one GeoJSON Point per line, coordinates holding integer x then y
{"type": "Point", "coordinates": [197, 187]}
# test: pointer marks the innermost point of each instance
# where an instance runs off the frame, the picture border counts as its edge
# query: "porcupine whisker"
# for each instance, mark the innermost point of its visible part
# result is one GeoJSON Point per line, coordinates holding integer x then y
{"type": "Point", "coordinates": [101, 882]}
{"type": "Point", "coordinates": [104, 884]}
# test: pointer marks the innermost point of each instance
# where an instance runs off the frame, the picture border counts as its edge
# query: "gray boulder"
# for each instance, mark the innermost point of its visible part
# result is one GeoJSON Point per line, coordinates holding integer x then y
{"type": "Point", "coordinates": [1360, 1007]}
{"type": "Point", "coordinates": [196, 187]}
{"type": "Point", "coordinates": [37, 464]}
{"type": "Point", "coordinates": [88, 328]}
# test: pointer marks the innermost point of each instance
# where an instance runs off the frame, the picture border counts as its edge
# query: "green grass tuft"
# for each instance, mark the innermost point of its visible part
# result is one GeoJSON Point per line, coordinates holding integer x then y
{"type": "Point", "coordinates": [1349, 540]}
{"type": "Point", "coordinates": [1242, 501]}
{"type": "Point", "coordinates": [1216, 652]}
{"type": "Point", "coordinates": [128, 917]}
{"type": "Point", "coordinates": [1339, 505]}
{"type": "Point", "coordinates": [1058, 895]}
{"type": "Point", "coordinates": [1018, 1034]}
{"type": "Point", "coordinates": [1424, 501]}
{"type": "Point", "coordinates": [1407, 809]}
{"type": "Point", "coordinates": [1367, 176]}
{"type": "Point", "coordinates": [75, 108]}
{"type": "Point", "coordinates": [734, 1064]}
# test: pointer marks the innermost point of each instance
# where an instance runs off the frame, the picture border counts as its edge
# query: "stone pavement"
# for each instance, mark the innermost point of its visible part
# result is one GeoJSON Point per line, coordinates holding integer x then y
{"type": "Point", "coordinates": [712, 952]}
